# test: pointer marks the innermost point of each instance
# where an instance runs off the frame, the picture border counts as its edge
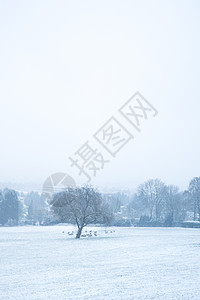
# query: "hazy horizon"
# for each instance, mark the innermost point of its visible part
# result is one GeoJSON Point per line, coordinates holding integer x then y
{"type": "Point", "coordinates": [67, 67]}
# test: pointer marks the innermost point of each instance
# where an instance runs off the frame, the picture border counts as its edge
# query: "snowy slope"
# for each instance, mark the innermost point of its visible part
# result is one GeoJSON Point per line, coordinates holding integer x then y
{"type": "Point", "coordinates": [131, 263]}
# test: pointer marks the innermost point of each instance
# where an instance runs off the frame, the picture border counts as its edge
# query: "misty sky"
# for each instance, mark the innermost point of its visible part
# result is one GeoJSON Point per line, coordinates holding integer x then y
{"type": "Point", "coordinates": [66, 67]}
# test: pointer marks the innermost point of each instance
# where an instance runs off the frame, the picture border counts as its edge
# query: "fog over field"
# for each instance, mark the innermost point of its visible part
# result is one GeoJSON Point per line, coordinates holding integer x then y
{"type": "Point", "coordinates": [66, 67]}
{"type": "Point", "coordinates": [99, 149]}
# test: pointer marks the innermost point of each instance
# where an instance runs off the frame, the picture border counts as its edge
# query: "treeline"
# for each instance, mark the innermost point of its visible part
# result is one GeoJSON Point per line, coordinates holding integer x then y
{"type": "Point", "coordinates": [19, 208]}
{"type": "Point", "coordinates": [153, 204]}
{"type": "Point", "coordinates": [156, 204]}
{"type": "Point", "coordinates": [11, 209]}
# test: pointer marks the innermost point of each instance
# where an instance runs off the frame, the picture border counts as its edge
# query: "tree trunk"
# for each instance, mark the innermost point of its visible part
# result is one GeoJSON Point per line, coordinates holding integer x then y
{"type": "Point", "coordinates": [78, 235]}
{"type": "Point", "coordinates": [195, 206]}
{"type": "Point", "coordinates": [151, 214]}
{"type": "Point", "coordinates": [199, 212]}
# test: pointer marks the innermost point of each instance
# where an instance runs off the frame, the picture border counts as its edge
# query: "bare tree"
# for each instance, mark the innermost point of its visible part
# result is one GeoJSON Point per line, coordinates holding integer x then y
{"type": "Point", "coordinates": [152, 194]}
{"type": "Point", "coordinates": [81, 206]}
{"type": "Point", "coordinates": [113, 200]}
{"type": "Point", "coordinates": [173, 202]}
{"type": "Point", "coordinates": [194, 190]}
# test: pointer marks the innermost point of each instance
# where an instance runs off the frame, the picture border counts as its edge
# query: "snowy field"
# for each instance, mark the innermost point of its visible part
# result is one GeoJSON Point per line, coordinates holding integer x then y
{"type": "Point", "coordinates": [131, 263]}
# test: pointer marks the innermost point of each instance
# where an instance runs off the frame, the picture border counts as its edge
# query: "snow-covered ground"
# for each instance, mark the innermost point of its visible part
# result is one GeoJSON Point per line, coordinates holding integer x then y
{"type": "Point", "coordinates": [131, 263]}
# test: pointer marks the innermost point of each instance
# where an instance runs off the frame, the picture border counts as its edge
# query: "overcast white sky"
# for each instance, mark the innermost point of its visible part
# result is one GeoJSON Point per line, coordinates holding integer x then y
{"type": "Point", "coordinates": [67, 66]}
